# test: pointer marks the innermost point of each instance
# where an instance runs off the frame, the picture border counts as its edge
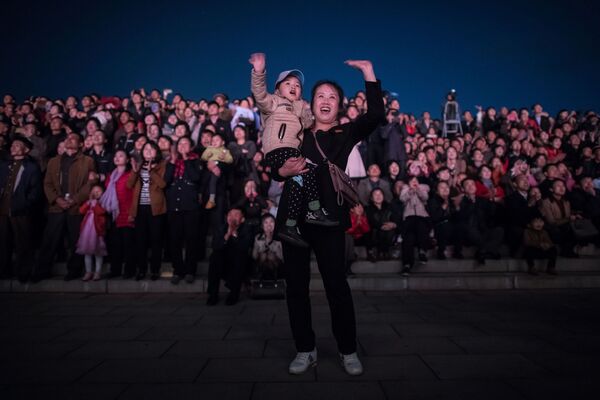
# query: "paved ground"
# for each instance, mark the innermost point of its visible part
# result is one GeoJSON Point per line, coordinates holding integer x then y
{"type": "Point", "coordinates": [414, 345]}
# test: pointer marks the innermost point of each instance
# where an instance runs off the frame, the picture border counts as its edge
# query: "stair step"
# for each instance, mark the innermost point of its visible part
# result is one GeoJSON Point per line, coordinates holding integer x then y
{"type": "Point", "coordinates": [582, 264]}
{"type": "Point", "coordinates": [359, 282]}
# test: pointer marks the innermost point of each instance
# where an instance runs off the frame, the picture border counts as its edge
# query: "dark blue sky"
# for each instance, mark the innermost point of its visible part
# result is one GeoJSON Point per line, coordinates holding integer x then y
{"type": "Point", "coordinates": [504, 53]}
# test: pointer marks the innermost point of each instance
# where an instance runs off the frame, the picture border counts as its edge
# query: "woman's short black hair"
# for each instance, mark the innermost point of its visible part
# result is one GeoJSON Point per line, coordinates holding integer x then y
{"type": "Point", "coordinates": [333, 84]}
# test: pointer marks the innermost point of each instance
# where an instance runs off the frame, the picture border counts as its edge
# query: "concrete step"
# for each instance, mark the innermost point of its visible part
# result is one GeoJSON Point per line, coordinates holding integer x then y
{"type": "Point", "coordinates": [359, 282]}
{"type": "Point", "coordinates": [582, 264]}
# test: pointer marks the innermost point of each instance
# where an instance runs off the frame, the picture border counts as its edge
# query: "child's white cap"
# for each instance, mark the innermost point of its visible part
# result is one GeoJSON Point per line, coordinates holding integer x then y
{"type": "Point", "coordinates": [292, 72]}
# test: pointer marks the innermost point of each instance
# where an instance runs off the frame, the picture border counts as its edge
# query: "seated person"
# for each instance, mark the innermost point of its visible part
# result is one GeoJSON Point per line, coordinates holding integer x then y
{"type": "Point", "coordinates": [415, 232]}
{"type": "Point", "coordinates": [371, 182]}
{"type": "Point", "coordinates": [538, 245]}
{"type": "Point", "coordinates": [229, 259]}
{"type": "Point", "coordinates": [475, 218]}
{"type": "Point", "coordinates": [267, 252]}
{"type": "Point", "coordinates": [556, 210]}
{"type": "Point", "coordinates": [441, 209]}
{"type": "Point", "coordinates": [382, 226]}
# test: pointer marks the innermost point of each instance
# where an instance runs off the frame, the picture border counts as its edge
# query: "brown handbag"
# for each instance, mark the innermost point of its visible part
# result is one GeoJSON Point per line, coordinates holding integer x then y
{"type": "Point", "coordinates": [342, 184]}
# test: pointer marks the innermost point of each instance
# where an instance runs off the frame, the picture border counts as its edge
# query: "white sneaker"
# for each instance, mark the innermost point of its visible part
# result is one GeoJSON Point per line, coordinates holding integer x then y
{"type": "Point", "coordinates": [351, 364]}
{"type": "Point", "coordinates": [303, 361]}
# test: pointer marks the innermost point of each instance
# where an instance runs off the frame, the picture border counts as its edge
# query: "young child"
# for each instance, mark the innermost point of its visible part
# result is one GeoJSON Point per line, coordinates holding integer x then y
{"type": "Point", "coordinates": [285, 116]}
{"type": "Point", "coordinates": [219, 154]}
{"type": "Point", "coordinates": [539, 245]}
{"type": "Point", "coordinates": [91, 235]}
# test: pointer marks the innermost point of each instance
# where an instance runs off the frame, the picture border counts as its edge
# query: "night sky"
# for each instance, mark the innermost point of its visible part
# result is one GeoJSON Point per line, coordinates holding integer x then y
{"type": "Point", "coordinates": [510, 53]}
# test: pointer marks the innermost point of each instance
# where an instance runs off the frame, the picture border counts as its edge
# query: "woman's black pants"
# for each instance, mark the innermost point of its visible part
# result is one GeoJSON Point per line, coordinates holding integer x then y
{"type": "Point", "coordinates": [148, 233]}
{"type": "Point", "coordinates": [415, 232]}
{"type": "Point", "coordinates": [184, 230]}
{"type": "Point", "coordinates": [328, 245]}
{"type": "Point", "coordinates": [122, 243]}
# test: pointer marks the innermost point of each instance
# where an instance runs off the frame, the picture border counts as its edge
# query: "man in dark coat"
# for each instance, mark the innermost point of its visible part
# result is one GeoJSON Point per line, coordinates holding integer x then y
{"type": "Point", "coordinates": [229, 259]}
{"type": "Point", "coordinates": [20, 192]}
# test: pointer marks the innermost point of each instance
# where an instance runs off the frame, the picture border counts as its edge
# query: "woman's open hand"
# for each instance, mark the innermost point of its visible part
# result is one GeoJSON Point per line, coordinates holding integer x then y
{"type": "Point", "coordinates": [365, 66]}
{"type": "Point", "coordinates": [293, 166]}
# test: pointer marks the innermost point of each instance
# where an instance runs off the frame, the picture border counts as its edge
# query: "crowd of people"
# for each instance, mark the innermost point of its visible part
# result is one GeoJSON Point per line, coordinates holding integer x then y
{"type": "Point", "coordinates": [138, 180]}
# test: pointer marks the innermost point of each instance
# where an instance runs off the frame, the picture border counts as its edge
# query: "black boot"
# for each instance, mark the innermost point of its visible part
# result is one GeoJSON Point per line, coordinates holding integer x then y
{"type": "Point", "coordinates": [291, 235]}
{"type": "Point", "coordinates": [319, 217]}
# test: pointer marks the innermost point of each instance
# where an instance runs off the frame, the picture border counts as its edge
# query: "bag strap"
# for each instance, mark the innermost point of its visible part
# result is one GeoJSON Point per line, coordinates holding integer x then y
{"type": "Point", "coordinates": [319, 147]}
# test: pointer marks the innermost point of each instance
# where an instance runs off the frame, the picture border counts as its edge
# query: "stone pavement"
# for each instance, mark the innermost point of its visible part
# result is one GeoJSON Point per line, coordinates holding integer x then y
{"type": "Point", "coordinates": [414, 345]}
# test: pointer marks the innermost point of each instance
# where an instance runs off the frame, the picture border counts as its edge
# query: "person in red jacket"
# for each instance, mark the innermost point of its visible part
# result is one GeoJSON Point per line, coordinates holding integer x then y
{"type": "Point", "coordinates": [116, 200]}
{"type": "Point", "coordinates": [486, 186]}
{"type": "Point", "coordinates": [91, 236]}
{"type": "Point", "coordinates": [356, 235]}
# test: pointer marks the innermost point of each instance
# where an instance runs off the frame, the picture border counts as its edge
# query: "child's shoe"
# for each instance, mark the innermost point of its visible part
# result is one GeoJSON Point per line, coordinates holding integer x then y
{"type": "Point", "coordinates": [291, 235]}
{"type": "Point", "coordinates": [319, 217]}
{"type": "Point", "coordinates": [87, 277]}
{"type": "Point", "coordinates": [97, 276]}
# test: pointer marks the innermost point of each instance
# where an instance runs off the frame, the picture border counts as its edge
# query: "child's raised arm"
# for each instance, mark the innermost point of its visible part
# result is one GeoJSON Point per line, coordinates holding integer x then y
{"type": "Point", "coordinates": [258, 84]}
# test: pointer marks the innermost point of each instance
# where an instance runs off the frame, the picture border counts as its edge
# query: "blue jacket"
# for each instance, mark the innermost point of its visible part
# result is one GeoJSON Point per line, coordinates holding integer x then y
{"type": "Point", "coordinates": [28, 186]}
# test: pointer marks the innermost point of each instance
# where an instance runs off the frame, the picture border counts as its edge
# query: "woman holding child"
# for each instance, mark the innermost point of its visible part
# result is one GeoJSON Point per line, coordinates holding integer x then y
{"type": "Point", "coordinates": [336, 142]}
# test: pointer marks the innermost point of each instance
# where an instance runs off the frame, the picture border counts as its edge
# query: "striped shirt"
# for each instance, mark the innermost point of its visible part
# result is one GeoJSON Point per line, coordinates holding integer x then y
{"type": "Point", "coordinates": [145, 193]}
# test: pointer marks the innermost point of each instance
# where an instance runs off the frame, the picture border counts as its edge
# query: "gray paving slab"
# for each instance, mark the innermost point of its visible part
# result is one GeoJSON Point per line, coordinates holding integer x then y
{"type": "Point", "coordinates": [31, 334]}
{"type": "Point", "coordinates": [258, 331]}
{"type": "Point", "coordinates": [437, 329]}
{"type": "Point", "coordinates": [246, 318]}
{"type": "Point", "coordinates": [566, 364]}
{"type": "Point", "coordinates": [503, 344]}
{"type": "Point", "coordinates": [414, 345]}
{"type": "Point", "coordinates": [87, 321]}
{"type": "Point", "coordinates": [387, 317]}
{"type": "Point", "coordinates": [579, 344]}
{"type": "Point", "coordinates": [69, 310]}
{"type": "Point", "coordinates": [186, 332]}
{"type": "Point", "coordinates": [122, 350]}
{"type": "Point", "coordinates": [449, 390]}
{"type": "Point", "coordinates": [103, 334]}
{"type": "Point", "coordinates": [497, 366]}
{"type": "Point", "coordinates": [531, 327]}
{"type": "Point", "coordinates": [454, 315]}
{"type": "Point", "coordinates": [146, 371]}
{"type": "Point", "coordinates": [318, 390]}
{"type": "Point", "coordinates": [26, 321]}
{"type": "Point", "coordinates": [251, 370]}
{"type": "Point", "coordinates": [34, 350]}
{"type": "Point", "coordinates": [156, 309]}
{"type": "Point", "coordinates": [376, 369]}
{"type": "Point", "coordinates": [65, 392]}
{"type": "Point", "coordinates": [44, 371]}
{"type": "Point", "coordinates": [578, 388]}
{"type": "Point", "coordinates": [381, 346]}
{"type": "Point", "coordinates": [159, 321]}
{"type": "Point", "coordinates": [216, 349]}
{"type": "Point", "coordinates": [187, 391]}
{"type": "Point", "coordinates": [326, 347]}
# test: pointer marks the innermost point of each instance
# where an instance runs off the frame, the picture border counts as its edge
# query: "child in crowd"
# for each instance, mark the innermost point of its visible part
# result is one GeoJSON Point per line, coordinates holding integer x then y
{"type": "Point", "coordinates": [538, 245]}
{"type": "Point", "coordinates": [91, 237]}
{"type": "Point", "coordinates": [217, 153]}
{"type": "Point", "coordinates": [285, 116]}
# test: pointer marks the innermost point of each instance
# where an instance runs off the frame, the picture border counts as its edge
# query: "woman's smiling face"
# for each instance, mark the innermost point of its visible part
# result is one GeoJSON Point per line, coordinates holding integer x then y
{"type": "Point", "coordinates": [326, 104]}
